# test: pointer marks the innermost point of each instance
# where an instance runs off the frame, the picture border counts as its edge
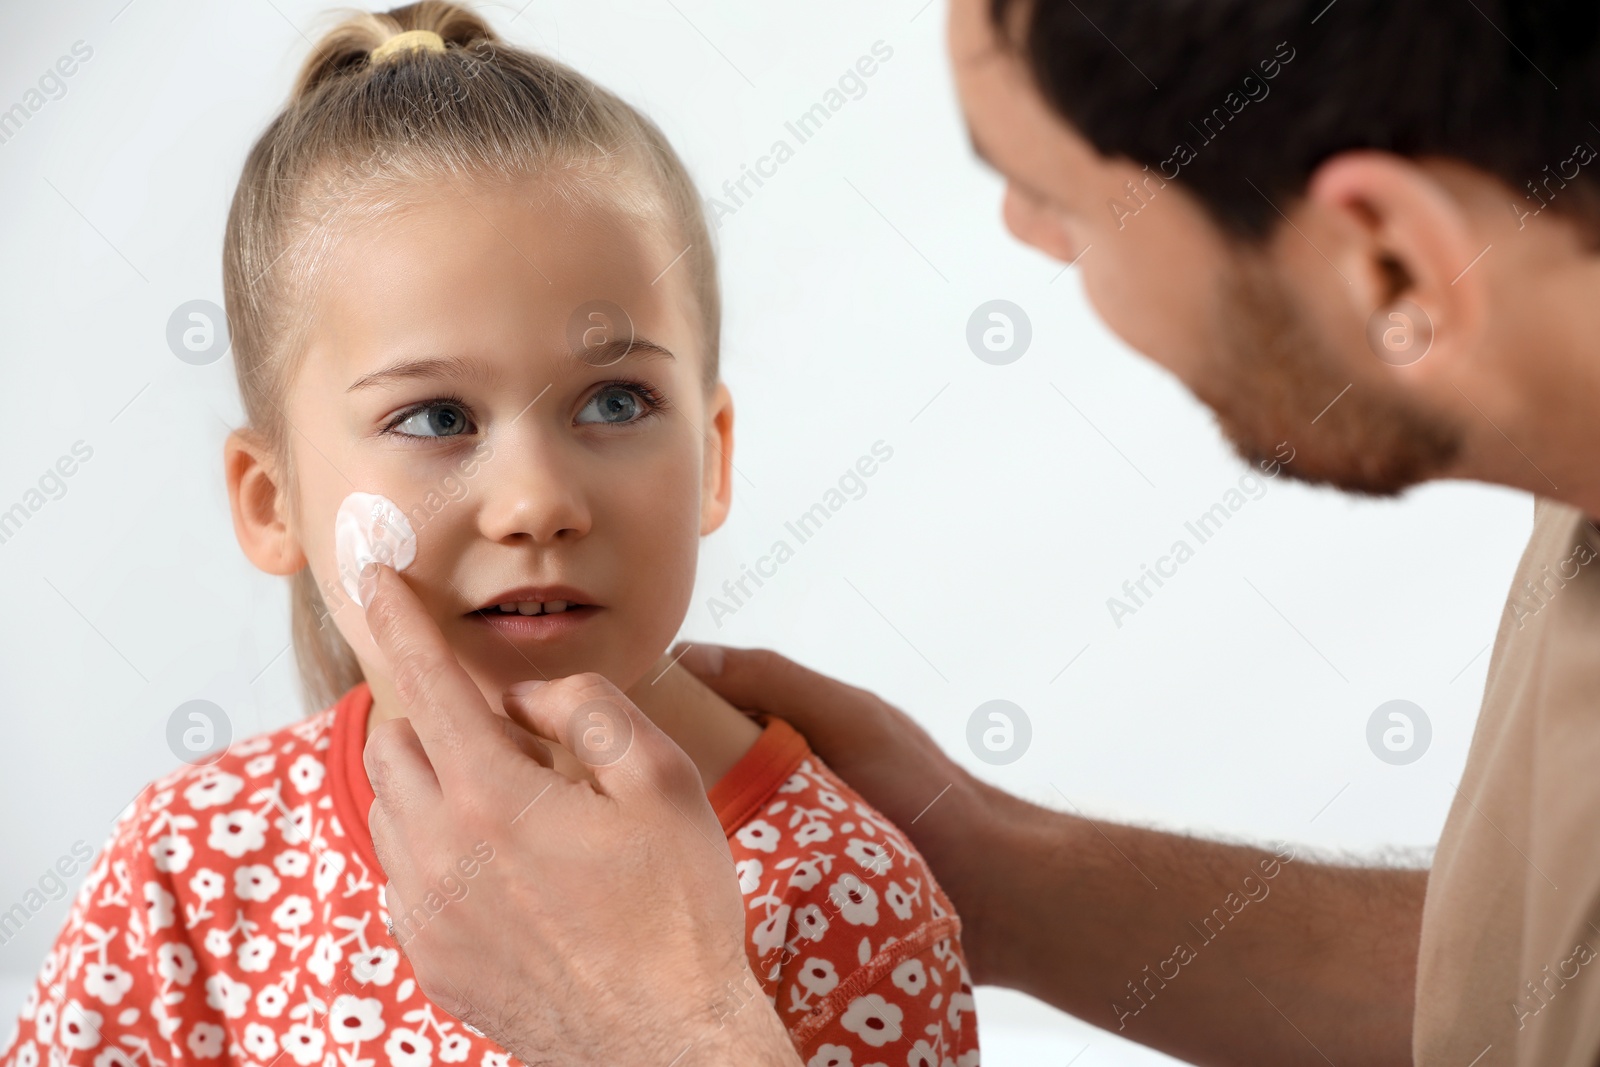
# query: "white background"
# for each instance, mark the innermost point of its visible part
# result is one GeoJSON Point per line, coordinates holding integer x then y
{"type": "Point", "coordinates": [976, 566]}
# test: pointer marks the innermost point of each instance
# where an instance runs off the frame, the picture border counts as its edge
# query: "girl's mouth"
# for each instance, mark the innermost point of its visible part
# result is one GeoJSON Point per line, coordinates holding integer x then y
{"type": "Point", "coordinates": [531, 607]}
{"type": "Point", "coordinates": [539, 620]}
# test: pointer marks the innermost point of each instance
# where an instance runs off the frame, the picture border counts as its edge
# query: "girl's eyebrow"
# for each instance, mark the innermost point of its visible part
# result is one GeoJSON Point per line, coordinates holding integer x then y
{"type": "Point", "coordinates": [429, 368]}
{"type": "Point", "coordinates": [434, 368]}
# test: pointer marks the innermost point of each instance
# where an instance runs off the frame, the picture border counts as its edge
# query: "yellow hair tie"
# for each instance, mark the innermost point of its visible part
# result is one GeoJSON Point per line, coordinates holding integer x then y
{"type": "Point", "coordinates": [426, 40]}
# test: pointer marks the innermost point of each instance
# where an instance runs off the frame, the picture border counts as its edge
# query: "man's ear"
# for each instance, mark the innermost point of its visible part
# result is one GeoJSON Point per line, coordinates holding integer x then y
{"type": "Point", "coordinates": [1401, 234]}
{"type": "Point", "coordinates": [256, 496]}
{"type": "Point", "coordinates": [716, 485]}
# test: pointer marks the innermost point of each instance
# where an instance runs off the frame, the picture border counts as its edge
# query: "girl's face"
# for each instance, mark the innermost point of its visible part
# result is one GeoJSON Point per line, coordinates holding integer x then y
{"type": "Point", "coordinates": [469, 359]}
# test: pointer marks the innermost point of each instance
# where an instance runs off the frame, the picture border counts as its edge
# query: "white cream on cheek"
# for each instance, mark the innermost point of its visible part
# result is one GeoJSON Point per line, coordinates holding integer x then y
{"type": "Point", "coordinates": [370, 529]}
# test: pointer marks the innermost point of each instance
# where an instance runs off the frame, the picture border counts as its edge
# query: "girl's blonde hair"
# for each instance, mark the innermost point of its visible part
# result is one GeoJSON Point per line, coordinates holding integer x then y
{"type": "Point", "coordinates": [355, 140]}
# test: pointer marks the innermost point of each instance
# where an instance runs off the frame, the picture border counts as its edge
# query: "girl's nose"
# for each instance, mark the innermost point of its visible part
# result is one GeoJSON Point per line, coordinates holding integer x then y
{"type": "Point", "coordinates": [531, 494]}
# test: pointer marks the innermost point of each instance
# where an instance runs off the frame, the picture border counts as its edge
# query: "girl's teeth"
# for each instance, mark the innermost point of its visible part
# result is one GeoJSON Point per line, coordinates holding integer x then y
{"type": "Point", "coordinates": [534, 607]}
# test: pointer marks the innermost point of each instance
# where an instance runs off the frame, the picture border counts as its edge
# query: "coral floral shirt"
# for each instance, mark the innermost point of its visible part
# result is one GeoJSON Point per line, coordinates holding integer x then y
{"type": "Point", "coordinates": [236, 917]}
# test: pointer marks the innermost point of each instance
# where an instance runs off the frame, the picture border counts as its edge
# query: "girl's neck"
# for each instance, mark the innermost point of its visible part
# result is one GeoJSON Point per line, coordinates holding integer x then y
{"type": "Point", "coordinates": [713, 732]}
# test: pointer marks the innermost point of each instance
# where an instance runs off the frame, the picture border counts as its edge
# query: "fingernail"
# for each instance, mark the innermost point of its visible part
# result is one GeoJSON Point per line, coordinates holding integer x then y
{"type": "Point", "coordinates": [521, 689]}
{"type": "Point", "coordinates": [703, 660]}
{"type": "Point", "coordinates": [367, 584]}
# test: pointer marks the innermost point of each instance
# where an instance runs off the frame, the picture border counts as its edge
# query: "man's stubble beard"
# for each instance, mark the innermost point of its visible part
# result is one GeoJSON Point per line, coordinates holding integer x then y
{"type": "Point", "coordinates": [1273, 375]}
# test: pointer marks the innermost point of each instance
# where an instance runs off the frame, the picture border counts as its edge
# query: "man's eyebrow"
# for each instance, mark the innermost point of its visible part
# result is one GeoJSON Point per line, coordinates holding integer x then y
{"type": "Point", "coordinates": [436, 368]}
{"type": "Point", "coordinates": [987, 160]}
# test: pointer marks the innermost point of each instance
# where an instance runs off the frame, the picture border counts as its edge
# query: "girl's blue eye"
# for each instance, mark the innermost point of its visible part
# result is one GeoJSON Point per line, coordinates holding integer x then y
{"type": "Point", "coordinates": [614, 405]}
{"type": "Point", "coordinates": [433, 420]}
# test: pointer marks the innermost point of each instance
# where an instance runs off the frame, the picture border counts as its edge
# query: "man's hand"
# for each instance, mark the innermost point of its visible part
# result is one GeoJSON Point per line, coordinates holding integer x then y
{"type": "Point", "coordinates": [600, 924]}
{"type": "Point", "coordinates": [1069, 910]}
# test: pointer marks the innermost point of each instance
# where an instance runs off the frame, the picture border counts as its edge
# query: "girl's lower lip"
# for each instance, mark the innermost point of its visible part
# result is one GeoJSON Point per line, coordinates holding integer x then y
{"type": "Point", "coordinates": [546, 627]}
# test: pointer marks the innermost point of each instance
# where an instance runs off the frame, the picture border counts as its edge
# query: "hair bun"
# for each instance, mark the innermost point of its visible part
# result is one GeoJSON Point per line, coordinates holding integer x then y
{"type": "Point", "coordinates": [365, 40]}
{"type": "Point", "coordinates": [406, 41]}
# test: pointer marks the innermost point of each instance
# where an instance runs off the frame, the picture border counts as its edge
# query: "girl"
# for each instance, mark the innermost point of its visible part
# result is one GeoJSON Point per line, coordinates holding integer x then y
{"type": "Point", "coordinates": [465, 278]}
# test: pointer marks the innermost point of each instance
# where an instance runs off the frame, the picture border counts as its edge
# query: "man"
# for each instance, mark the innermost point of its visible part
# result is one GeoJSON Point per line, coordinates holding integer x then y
{"type": "Point", "coordinates": [1364, 229]}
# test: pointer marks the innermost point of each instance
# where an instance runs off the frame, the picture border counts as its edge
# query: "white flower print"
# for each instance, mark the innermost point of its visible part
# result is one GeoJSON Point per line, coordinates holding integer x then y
{"type": "Point", "coordinates": [806, 875]}
{"type": "Point", "coordinates": [869, 854]}
{"type": "Point", "coordinates": [407, 1048]}
{"type": "Point", "coordinates": [171, 853]}
{"type": "Point", "coordinates": [106, 982]}
{"type": "Point", "coordinates": [237, 832]}
{"type": "Point", "coordinates": [241, 878]}
{"type": "Point", "coordinates": [208, 885]}
{"type": "Point", "coordinates": [959, 1002]}
{"type": "Point", "coordinates": [227, 996]}
{"type": "Point", "coordinates": [80, 1026]}
{"type": "Point", "coordinates": [304, 1043]}
{"type": "Point", "coordinates": [159, 906]}
{"type": "Point", "coordinates": [205, 1041]}
{"type": "Point", "coordinates": [305, 773]}
{"type": "Point", "coordinates": [292, 863]}
{"type": "Point", "coordinates": [760, 835]}
{"type": "Point", "coordinates": [354, 1019]}
{"type": "Point", "coordinates": [857, 902]}
{"type": "Point", "coordinates": [253, 746]}
{"type": "Point", "coordinates": [809, 922]}
{"type": "Point", "coordinates": [214, 787]}
{"type": "Point", "coordinates": [217, 941]}
{"type": "Point", "coordinates": [819, 976]}
{"type": "Point", "coordinates": [175, 962]}
{"type": "Point", "coordinates": [330, 865]}
{"type": "Point", "coordinates": [293, 913]}
{"type": "Point", "coordinates": [873, 1019]}
{"type": "Point", "coordinates": [910, 977]}
{"type": "Point", "coordinates": [45, 1023]}
{"type": "Point", "coordinates": [260, 1042]}
{"type": "Point", "coordinates": [295, 826]}
{"type": "Point", "coordinates": [256, 953]}
{"type": "Point", "coordinates": [898, 901]}
{"type": "Point", "coordinates": [255, 882]}
{"type": "Point", "coordinates": [271, 1001]}
{"type": "Point", "coordinates": [769, 935]}
{"type": "Point", "coordinates": [831, 1056]}
{"type": "Point", "coordinates": [375, 965]}
{"type": "Point", "coordinates": [325, 956]}
{"type": "Point", "coordinates": [749, 872]}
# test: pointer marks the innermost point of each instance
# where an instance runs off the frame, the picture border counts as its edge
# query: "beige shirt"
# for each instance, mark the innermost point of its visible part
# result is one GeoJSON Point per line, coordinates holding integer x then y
{"type": "Point", "coordinates": [1509, 971]}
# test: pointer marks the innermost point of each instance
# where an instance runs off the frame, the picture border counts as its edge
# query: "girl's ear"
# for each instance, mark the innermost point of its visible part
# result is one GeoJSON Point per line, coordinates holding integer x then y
{"type": "Point", "coordinates": [255, 494]}
{"type": "Point", "coordinates": [716, 485]}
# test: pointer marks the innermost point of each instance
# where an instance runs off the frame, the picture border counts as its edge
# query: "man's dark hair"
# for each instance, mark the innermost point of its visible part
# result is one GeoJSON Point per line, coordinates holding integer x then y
{"type": "Point", "coordinates": [1511, 87]}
